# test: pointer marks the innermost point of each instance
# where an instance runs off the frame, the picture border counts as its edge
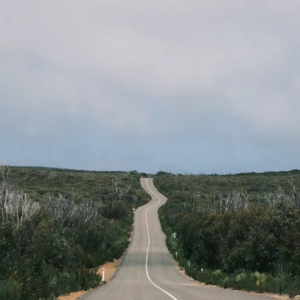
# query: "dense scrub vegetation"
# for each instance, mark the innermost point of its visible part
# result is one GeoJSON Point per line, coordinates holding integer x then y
{"type": "Point", "coordinates": [58, 226]}
{"type": "Point", "coordinates": [240, 231]}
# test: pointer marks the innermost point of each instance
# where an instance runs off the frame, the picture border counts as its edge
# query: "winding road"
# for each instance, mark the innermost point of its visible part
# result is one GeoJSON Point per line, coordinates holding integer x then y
{"type": "Point", "coordinates": [148, 271]}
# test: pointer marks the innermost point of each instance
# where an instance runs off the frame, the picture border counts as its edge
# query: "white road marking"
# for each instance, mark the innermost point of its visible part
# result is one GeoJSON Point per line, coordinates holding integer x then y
{"type": "Point", "coordinates": [149, 242]}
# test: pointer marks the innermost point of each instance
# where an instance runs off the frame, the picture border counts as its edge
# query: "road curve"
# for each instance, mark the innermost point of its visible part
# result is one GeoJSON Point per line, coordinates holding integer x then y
{"type": "Point", "coordinates": [148, 271]}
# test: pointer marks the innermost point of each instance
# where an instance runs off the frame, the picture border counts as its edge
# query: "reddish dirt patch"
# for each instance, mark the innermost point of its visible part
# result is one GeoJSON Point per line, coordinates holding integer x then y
{"type": "Point", "coordinates": [110, 271]}
{"type": "Point", "coordinates": [72, 296]}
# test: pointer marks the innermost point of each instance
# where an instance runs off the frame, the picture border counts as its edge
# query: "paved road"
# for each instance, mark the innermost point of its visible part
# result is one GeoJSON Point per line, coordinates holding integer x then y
{"type": "Point", "coordinates": [148, 271]}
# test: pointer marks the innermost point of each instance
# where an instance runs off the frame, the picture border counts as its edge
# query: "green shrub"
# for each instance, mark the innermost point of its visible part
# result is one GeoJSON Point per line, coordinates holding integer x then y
{"type": "Point", "coordinates": [238, 246]}
{"type": "Point", "coordinates": [54, 251]}
{"type": "Point", "coordinates": [261, 281]}
{"type": "Point", "coordinates": [10, 290]}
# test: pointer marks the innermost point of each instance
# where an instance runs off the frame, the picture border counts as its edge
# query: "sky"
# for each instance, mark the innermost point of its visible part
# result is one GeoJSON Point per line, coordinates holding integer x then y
{"type": "Point", "coordinates": [187, 86]}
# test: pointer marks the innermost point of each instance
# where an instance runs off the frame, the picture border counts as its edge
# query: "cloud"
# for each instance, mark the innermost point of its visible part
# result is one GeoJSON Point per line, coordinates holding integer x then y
{"type": "Point", "coordinates": [212, 72]}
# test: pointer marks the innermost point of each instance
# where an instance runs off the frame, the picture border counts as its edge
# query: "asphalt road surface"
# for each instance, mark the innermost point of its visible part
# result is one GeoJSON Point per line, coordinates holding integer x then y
{"type": "Point", "coordinates": [148, 271]}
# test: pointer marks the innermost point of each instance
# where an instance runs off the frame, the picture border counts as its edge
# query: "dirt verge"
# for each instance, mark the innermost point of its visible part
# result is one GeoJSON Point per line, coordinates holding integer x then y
{"type": "Point", "coordinates": [110, 271]}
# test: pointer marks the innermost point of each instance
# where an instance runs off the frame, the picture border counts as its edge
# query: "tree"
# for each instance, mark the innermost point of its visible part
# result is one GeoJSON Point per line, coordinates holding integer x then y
{"type": "Point", "coordinates": [14, 205]}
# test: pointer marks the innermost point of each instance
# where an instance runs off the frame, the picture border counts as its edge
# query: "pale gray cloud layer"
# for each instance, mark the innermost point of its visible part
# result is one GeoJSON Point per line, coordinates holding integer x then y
{"type": "Point", "coordinates": [198, 86]}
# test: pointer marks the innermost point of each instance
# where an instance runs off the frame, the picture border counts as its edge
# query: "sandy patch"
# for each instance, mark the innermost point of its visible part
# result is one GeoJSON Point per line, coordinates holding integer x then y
{"type": "Point", "coordinates": [110, 269]}
{"type": "Point", "coordinates": [72, 296]}
{"type": "Point", "coordinates": [278, 297]}
{"type": "Point", "coordinates": [110, 272]}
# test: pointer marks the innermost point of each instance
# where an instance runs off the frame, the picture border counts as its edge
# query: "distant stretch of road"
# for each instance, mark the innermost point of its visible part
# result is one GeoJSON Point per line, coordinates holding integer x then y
{"type": "Point", "coordinates": [148, 271]}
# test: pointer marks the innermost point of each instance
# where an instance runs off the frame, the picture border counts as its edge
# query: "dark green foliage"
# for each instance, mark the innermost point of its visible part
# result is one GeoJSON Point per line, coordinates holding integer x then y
{"type": "Point", "coordinates": [254, 246]}
{"type": "Point", "coordinates": [58, 249]}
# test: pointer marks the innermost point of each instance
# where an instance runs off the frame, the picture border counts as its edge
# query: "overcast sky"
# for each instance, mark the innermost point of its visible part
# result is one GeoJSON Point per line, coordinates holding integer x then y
{"type": "Point", "coordinates": [200, 86]}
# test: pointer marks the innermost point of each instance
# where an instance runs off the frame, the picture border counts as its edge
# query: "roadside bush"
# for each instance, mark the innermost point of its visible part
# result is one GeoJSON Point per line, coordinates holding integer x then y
{"type": "Point", "coordinates": [10, 290]}
{"type": "Point", "coordinates": [60, 226]}
{"type": "Point", "coordinates": [235, 228]}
